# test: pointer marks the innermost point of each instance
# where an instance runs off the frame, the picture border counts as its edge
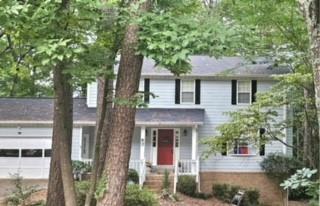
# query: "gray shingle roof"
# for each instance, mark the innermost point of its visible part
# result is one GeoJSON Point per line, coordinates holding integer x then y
{"type": "Point", "coordinates": [225, 66]}
{"type": "Point", "coordinates": [40, 110]}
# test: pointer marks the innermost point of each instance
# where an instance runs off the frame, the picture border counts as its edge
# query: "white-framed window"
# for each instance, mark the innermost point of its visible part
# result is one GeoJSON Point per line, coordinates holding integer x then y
{"type": "Point", "coordinates": [244, 92]}
{"type": "Point", "coordinates": [187, 91]}
{"type": "Point", "coordinates": [242, 148]}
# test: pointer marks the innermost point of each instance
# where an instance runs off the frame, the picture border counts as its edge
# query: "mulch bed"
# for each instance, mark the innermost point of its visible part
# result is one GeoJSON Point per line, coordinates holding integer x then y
{"type": "Point", "coordinates": [189, 201]}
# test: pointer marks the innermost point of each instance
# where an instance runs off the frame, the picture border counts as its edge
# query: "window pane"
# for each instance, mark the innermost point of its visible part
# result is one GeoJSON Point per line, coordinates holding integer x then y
{"type": "Point", "coordinates": [9, 153]}
{"type": "Point", "coordinates": [31, 153]}
{"type": "Point", "coordinates": [244, 86]}
{"type": "Point", "coordinates": [243, 97]}
{"type": "Point", "coordinates": [187, 97]}
{"type": "Point", "coordinates": [47, 152]}
{"type": "Point", "coordinates": [187, 86]}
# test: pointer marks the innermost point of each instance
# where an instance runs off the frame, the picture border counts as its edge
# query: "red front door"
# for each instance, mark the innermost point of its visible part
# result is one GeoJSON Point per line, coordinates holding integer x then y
{"type": "Point", "coordinates": [165, 147]}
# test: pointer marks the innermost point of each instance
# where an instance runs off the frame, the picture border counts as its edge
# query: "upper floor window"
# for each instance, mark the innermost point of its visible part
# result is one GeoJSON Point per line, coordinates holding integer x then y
{"type": "Point", "coordinates": [244, 92]}
{"type": "Point", "coordinates": [187, 91]}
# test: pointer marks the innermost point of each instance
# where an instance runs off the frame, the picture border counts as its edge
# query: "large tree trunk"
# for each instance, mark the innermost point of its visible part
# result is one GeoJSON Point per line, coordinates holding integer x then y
{"type": "Point", "coordinates": [101, 113]}
{"type": "Point", "coordinates": [311, 12]}
{"type": "Point", "coordinates": [55, 189]}
{"type": "Point", "coordinates": [61, 189]}
{"type": "Point", "coordinates": [123, 120]}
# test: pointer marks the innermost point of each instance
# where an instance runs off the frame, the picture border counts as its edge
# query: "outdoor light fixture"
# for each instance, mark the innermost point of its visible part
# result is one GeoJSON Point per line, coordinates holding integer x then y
{"type": "Point", "coordinates": [185, 132]}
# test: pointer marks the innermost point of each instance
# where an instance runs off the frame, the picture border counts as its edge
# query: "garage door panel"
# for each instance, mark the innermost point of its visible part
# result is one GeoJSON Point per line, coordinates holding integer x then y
{"type": "Point", "coordinates": [32, 164]}
{"type": "Point", "coordinates": [8, 172]}
{"type": "Point", "coordinates": [9, 162]}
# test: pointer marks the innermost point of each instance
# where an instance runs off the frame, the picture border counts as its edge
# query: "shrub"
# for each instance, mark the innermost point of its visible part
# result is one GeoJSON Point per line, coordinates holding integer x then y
{"type": "Point", "coordinates": [187, 185]}
{"type": "Point", "coordinates": [20, 193]}
{"type": "Point", "coordinates": [250, 198]}
{"type": "Point", "coordinates": [82, 188]}
{"type": "Point", "coordinates": [142, 197]}
{"type": "Point", "coordinates": [201, 195]}
{"type": "Point", "coordinates": [226, 193]}
{"type": "Point", "coordinates": [280, 167]}
{"type": "Point", "coordinates": [223, 192]}
{"type": "Point", "coordinates": [133, 176]}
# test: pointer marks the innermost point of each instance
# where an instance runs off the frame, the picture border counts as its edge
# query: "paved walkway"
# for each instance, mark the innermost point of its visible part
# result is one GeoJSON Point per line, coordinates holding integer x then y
{"type": "Point", "coordinates": [7, 185]}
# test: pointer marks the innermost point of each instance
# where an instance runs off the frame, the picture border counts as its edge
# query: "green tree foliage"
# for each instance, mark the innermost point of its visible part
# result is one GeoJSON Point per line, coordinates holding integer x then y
{"type": "Point", "coordinates": [276, 30]}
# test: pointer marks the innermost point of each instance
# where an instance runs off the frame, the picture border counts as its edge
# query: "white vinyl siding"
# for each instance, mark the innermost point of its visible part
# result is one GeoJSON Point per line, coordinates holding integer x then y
{"type": "Point", "coordinates": [215, 109]}
{"type": "Point", "coordinates": [92, 94]}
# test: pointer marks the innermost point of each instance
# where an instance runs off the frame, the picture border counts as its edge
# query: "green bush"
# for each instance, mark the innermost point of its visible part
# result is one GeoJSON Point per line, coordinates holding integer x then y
{"type": "Point", "coordinates": [80, 167]}
{"type": "Point", "coordinates": [187, 185]}
{"type": "Point", "coordinates": [226, 193]}
{"type": "Point", "coordinates": [139, 197]}
{"type": "Point", "coordinates": [250, 198]}
{"type": "Point", "coordinates": [133, 176]}
{"type": "Point", "coordinates": [223, 192]}
{"type": "Point", "coordinates": [82, 188]}
{"type": "Point", "coordinates": [201, 195]}
{"type": "Point", "coordinates": [20, 193]}
{"type": "Point", "coordinates": [280, 167]}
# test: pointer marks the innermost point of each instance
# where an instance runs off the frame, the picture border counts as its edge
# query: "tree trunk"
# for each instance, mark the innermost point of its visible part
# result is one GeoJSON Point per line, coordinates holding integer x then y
{"type": "Point", "coordinates": [61, 189]}
{"type": "Point", "coordinates": [63, 120]}
{"type": "Point", "coordinates": [105, 130]}
{"type": "Point", "coordinates": [55, 195]}
{"type": "Point", "coordinates": [101, 113]}
{"type": "Point", "coordinates": [123, 120]}
{"type": "Point", "coordinates": [311, 12]}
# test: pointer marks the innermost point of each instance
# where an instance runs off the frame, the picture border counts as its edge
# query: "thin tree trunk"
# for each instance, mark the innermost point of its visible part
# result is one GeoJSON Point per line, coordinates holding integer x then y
{"type": "Point", "coordinates": [101, 113]}
{"type": "Point", "coordinates": [123, 120]}
{"type": "Point", "coordinates": [306, 132]}
{"type": "Point", "coordinates": [106, 130]}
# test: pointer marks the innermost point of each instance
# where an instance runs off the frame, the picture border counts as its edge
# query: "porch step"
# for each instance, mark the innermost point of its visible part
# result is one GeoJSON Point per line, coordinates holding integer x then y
{"type": "Point", "coordinates": [154, 182]}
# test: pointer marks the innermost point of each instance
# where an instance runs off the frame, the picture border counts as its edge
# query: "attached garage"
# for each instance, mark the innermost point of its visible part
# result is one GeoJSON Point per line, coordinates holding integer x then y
{"type": "Point", "coordinates": [27, 156]}
{"type": "Point", "coordinates": [26, 133]}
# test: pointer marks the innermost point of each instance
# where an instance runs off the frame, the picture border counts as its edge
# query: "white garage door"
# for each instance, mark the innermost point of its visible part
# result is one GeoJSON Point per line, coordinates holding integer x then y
{"type": "Point", "coordinates": [27, 156]}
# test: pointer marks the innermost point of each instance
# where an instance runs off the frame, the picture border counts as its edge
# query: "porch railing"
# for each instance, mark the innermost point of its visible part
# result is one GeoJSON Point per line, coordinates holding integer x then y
{"type": "Point", "coordinates": [140, 167]}
{"type": "Point", "coordinates": [88, 161]}
{"type": "Point", "coordinates": [186, 167]}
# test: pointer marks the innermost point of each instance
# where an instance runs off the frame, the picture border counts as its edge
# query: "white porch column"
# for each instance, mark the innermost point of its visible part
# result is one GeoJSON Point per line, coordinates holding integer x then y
{"type": "Point", "coordinates": [194, 150]}
{"type": "Point", "coordinates": [142, 142]}
{"type": "Point", "coordinates": [194, 143]}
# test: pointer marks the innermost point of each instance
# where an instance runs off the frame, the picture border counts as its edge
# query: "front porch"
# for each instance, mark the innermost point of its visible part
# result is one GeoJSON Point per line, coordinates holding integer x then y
{"type": "Point", "coordinates": [164, 139]}
{"type": "Point", "coordinates": [160, 149]}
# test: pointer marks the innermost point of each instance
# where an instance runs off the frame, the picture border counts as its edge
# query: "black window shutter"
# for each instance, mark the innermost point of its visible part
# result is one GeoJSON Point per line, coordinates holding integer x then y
{"type": "Point", "coordinates": [262, 146]}
{"type": "Point", "coordinates": [224, 149]}
{"type": "Point", "coordinates": [234, 92]}
{"type": "Point", "coordinates": [177, 96]}
{"type": "Point", "coordinates": [146, 90]}
{"type": "Point", "coordinates": [198, 91]}
{"type": "Point", "coordinates": [253, 90]}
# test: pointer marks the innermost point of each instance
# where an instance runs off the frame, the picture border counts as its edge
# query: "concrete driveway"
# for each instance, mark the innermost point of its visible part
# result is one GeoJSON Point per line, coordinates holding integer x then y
{"type": "Point", "coordinates": [7, 186]}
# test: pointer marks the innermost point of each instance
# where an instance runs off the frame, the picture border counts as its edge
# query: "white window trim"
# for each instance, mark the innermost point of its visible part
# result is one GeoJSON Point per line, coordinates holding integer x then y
{"type": "Point", "coordinates": [250, 92]}
{"type": "Point", "coordinates": [194, 92]}
{"type": "Point", "coordinates": [257, 152]}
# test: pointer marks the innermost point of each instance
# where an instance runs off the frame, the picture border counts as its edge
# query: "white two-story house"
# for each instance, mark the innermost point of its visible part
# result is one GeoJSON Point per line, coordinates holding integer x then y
{"type": "Point", "coordinates": [167, 134]}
